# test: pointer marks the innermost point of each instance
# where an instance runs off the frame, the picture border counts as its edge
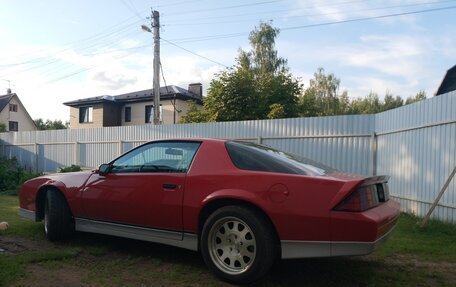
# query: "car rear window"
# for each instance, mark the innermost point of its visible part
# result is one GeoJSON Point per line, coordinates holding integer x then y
{"type": "Point", "coordinates": [250, 156]}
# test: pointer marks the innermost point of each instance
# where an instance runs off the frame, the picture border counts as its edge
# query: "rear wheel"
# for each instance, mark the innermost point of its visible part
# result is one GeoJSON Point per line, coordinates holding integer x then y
{"type": "Point", "coordinates": [238, 244]}
{"type": "Point", "coordinates": [58, 221]}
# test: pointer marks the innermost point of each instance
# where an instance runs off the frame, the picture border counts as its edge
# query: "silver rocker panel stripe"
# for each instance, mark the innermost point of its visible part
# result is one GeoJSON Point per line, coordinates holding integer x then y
{"type": "Point", "coordinates": [178, 239]}
{"type": "Point", "coordinates": [28, 214]}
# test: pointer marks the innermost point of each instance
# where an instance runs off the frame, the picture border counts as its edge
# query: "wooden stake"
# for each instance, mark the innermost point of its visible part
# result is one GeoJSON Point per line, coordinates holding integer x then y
{"type": "Point", "coordinates": [436, 201]}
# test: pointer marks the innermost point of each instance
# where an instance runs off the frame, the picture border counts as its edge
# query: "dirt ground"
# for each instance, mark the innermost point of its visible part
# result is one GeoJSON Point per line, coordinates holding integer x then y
{"type": "Point", "coordinates": [139, 267]}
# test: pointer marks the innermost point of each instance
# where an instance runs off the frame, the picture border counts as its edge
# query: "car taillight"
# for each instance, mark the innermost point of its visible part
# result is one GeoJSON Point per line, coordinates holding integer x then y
{"type": "Point", "coordinates": [383, 192]}
{"type": "Point", "coordinates": [361, 199]}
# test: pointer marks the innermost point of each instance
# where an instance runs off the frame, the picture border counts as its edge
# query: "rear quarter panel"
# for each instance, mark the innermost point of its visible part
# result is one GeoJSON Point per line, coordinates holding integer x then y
{"type": "Point", "coordinates": [298, 206]}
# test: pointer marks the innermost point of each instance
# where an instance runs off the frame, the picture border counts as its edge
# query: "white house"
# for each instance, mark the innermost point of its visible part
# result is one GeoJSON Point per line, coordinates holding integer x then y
{"type": "Point", "coordinates": [14, 115]}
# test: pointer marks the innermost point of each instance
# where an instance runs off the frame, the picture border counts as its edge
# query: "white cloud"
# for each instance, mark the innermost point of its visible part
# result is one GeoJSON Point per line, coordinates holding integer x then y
{"type": "Point", "coordinates": [109, 72]}
{"type": "Point", "coordinates": [395, 55]}
{"type": "Point", "coordinates": [330, 10]}
{"type": "Point", "coordinates": [113, 81]}
{"type": "Point", "coordinates": [400, 63]}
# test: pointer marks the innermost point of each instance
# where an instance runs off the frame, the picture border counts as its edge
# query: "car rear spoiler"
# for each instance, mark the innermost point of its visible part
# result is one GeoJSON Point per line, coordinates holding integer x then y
{"type": "Point", "coordinates": [374, 180]}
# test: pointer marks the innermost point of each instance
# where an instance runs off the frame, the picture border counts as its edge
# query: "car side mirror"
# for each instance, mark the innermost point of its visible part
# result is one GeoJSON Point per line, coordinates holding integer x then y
{"type": "Point", "coordinates": [103, 169]}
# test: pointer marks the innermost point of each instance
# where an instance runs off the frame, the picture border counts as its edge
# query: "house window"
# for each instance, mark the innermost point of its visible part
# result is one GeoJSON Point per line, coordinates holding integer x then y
{"type": "Point", "coordinates": [13, 126]}
{"type": "Point", "coordinates": [127, 114]}
{"type": "Point", "coordinates": [149, 116]}
{"type": "Point", "coordinates": [13, 108]}
{"type": "Point", "coordinates": [85, 114]}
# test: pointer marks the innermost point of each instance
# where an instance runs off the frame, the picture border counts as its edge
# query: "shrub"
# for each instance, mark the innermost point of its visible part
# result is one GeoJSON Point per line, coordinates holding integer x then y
{"type": "Point", "coordinates": [71, 168]}
{"type": "Point", "coordinates": [12, 175]}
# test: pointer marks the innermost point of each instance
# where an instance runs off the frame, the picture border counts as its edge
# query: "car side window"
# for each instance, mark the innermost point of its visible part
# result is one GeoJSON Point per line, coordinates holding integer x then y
{"type": "Point", "coordinates": [249, 156]}
{"type": "Point", "coordinates": [173, 156]}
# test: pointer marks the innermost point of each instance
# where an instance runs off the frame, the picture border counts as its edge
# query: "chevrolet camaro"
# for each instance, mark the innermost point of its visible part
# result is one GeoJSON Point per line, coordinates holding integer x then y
{"type": "Point", "coordinates": [240, 204]}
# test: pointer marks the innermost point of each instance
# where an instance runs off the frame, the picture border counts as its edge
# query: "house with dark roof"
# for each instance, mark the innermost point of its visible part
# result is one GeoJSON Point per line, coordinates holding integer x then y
{"type": "Point", "coordinates": [14, 115]}
{"type": "Point", "coordinates": [134, 108]}
{"type": "Point", "coordinates": [448, 83]}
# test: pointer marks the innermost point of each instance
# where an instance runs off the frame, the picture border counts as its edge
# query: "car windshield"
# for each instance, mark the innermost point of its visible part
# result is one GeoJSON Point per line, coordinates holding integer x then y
{"type": "Point", "coordinates": [256, 157]}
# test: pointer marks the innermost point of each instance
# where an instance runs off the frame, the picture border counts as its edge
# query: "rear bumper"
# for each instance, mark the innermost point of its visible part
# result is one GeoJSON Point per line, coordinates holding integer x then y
{"type": "Point", "coordinates": [28, 214]}
{"type": "Point", "coordinates": [352, 233]}
{"type": "Point", "coordinates": [293, 249]}
{"type": "Point", "coordinates": [358, 248]}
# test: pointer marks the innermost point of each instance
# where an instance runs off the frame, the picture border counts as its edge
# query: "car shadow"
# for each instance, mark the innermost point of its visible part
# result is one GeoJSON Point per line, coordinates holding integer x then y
{"type": "Point", "coordinates": [334, 271]}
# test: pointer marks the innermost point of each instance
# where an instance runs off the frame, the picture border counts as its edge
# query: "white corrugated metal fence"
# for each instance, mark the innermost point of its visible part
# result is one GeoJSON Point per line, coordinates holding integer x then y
{"type": "Point", "coordinates": [415, 144]}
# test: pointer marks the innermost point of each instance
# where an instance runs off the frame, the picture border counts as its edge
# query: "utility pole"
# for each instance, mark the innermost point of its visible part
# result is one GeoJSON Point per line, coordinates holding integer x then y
{"type": "Point", "coordinates": [156, 86]}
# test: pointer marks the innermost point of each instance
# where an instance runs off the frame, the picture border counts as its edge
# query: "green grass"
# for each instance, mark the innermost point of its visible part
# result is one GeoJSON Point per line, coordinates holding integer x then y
{"type": "Point", "coordinates": [12, 267]}
{"type": "Point", "coordinates": [9, 207]}
{"type": "Point", "coordinates": [435, 242]}
{"type": "Point", "coordinates": [413, 256]}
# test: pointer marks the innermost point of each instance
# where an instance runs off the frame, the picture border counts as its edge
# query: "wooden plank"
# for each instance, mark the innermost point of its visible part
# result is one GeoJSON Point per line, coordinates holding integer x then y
{"type": "Point", "coordinates": [436, 201]}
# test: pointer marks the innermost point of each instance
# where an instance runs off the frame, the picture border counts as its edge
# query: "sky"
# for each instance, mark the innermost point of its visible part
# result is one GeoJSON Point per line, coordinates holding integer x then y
{"type": "Point", "coordinates": [56, 51]}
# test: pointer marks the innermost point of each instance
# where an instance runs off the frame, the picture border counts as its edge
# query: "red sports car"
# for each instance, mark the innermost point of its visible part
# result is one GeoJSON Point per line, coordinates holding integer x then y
{"type": "Point", "coordinates": [242, 205]}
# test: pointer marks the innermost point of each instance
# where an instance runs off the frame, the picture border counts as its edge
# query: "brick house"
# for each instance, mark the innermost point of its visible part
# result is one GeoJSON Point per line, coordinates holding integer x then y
{"type": "Point", "coordinates": [134, 108]}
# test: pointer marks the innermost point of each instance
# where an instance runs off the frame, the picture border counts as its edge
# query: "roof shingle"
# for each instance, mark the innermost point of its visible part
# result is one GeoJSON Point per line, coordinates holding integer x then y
{"type": "Point", "coordinates": [4, 100]}
{"type": "Point", "coordinates": [166, 92]}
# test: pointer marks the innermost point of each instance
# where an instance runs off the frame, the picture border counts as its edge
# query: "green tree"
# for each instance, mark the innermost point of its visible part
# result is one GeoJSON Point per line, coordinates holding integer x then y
{"type": "Point", "coordinates": [257, 83]}
{"type": "Point", "coordinates": [277, 111]}
{"type": "Point", "coordinates": [368, 105]}
{"type": "Point", "coordinates": [50, 125]}
{"type": "Point", "coordinates": [372, 104]}
{"type": "Point", "coordinates": [390, 102]}
{"type": "Point", "coordinates": [263, 55]}
{"type": "Point", "coordinates": [194, 115]}
{"type": "Point", "coordinates": [2, 127]}
{"type": "Point", "coordinates": [232, 96]}
{"type": "Point", "coordinates": [321, 98]}
{"type": "Point", "coordinates": [421, 95]}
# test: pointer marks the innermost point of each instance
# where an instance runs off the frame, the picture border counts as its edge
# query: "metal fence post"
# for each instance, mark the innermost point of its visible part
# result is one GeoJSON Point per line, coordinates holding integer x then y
{"type": "Point", "coordinates": [119, 148]}
{"type": "Point", "coordinates": [373, 159]}
{"type": "Point", "coordinates": [36, 150]}
{"type": "Point", "coordinates": [76, 153]}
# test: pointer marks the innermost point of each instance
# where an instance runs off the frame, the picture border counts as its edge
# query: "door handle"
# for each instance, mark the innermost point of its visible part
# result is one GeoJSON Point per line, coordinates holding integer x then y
{"type": "Point", "coordinates": [169, 186]}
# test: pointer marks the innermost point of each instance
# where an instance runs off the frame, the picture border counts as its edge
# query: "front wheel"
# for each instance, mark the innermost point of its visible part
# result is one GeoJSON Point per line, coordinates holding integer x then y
{"type": "Point", "coordinates": [58, 221]}
{"type": "Point", "coordinates": [238, 244]}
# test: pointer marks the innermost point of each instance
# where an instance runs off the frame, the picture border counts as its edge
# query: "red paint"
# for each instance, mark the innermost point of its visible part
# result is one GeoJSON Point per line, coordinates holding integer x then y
{"type": "Point", "coordinates": [300, 207]}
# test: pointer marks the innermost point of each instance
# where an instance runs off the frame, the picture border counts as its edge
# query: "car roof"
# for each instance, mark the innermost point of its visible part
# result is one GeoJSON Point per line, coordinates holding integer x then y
{"type": "Point", "coordinates": [192, 139]}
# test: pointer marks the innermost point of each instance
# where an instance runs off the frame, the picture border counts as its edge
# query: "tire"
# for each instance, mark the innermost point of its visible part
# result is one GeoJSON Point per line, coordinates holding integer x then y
{"type": "Point", "coordinates": [238, 244]}
{"type": "Point", "coordinates": [58, 221]}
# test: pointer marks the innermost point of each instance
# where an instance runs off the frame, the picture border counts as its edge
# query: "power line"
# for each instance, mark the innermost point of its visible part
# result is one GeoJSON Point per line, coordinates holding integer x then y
{"type": "Point", "coordinates": [227, 7]}
{"type": "Point", "coordinates": [213, 37]}
{"type": "Point", "coordinates": [93, 39]}
{"type": "Point", "coordinates": [192, 23]}
{"type": "Point", "coordinates": [132, 9]}
{"type": "Point", "coordinates": [202, 38]}
{"type": "Point", "coordinates": [191, 52]}
{"type": "Point", "coordinates": [173, 102]}
{"type": "Point", "coordinates": [178, 3]}
{"type": "Point", "coordinates": [78, 72]}
{"type": "Point", "coordinates": [64, 66]}
{"type": "Point", "coordinates": [233, 35]}
{"type": "Point", "coordinates": [46, 61]}
{"type": "Point", "coordinates": [368, 18]}
{"type": "Point", "coordinates": [275, 11]}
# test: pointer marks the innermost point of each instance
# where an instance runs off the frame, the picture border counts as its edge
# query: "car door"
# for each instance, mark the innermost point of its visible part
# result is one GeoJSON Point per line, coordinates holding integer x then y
{"type": "Point", "coordinates": [143, 188]}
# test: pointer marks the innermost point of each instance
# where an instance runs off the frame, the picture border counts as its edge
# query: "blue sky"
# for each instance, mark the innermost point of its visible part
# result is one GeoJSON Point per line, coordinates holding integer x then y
{"type": "Point", "coordinates": [56, 51]}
